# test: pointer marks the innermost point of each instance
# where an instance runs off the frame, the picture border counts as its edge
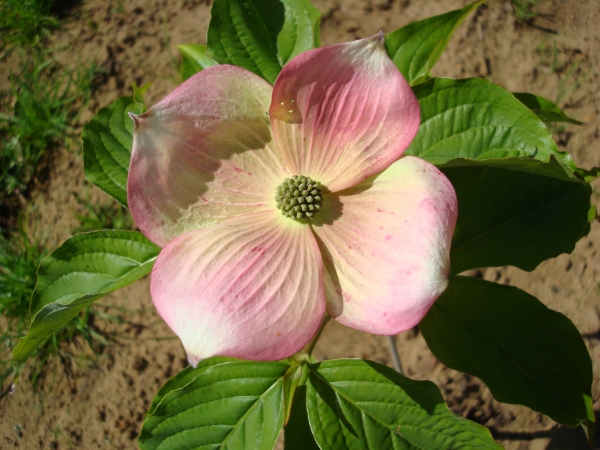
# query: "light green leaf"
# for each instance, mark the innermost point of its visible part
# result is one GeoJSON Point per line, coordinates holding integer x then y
{"type": "Point", "coordinates": [300, 31]}
{"type": "Point", "coordinates": [291, 380]}
{"type": "Point", "coordinates": [107, 142]}
{"type": "Point", "coordinates": [193, 59]}
{"type": "Point", "coordinates": [546, 110]}
{"type": "Point", "coordinates": [515, 212]}
{"type": "Point", "coordinates": [475, 119]}
{"type": "Point", "coordinates": [524, 352]}
{"type": "Point", "coordinates": [138, 93]}
{"type": "Point", "coordinates": [416, 47]}
{"type": "Point", "coordinates": [262, 35]}
{"type": "Point", "coordinates": [356, 404]}
{"type": "Point", "coordinates": [86, 267]}
{"type": "Point", "coordinates": [233, 405]}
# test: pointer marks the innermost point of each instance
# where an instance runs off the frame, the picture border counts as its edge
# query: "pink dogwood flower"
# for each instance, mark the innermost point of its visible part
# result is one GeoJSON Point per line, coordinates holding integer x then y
{"type": "Point", "coordinates": [276, 203]}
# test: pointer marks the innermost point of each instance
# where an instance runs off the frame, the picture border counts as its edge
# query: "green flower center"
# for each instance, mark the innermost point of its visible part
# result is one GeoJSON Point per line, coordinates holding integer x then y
{"type": "Point", "coordinates": [299, 197]}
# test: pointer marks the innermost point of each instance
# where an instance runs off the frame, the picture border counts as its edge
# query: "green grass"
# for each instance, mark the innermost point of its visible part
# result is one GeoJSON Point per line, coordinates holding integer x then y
{"type": "Point", "coordinates": [20, 256]}
{"type": "Point", "coordinates": [24, 23]}
{"type": "Point", "coordinates": [571, 76]}
{"type": "Point", "coordinates": [39, 115]}
{"type": "Point", "coordinates": [522, 9]}
{"type": "Point", "coordinates": [571, 81]}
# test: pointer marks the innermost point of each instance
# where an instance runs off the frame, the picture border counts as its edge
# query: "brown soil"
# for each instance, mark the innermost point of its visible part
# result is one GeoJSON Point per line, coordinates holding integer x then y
{"type": "Point", "coordinates": [99, 402]}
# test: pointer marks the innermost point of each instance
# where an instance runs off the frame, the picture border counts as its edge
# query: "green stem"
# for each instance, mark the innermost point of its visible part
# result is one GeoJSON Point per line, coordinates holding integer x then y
{"type": "Point", "coordinates": [308, 348]}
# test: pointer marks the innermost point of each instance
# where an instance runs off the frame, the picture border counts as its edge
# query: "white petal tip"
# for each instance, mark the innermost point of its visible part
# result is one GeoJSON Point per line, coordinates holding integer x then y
{"type": "Point", "coordinates": [379, 38]}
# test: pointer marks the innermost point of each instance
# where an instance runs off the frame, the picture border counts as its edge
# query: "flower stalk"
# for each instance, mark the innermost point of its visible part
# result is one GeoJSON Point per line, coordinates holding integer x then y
{"type": "Point", "coordinates": [308, 349]}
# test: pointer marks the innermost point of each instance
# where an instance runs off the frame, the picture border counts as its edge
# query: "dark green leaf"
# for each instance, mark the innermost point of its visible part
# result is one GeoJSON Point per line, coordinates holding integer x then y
{"type": "Point", "coordinates": [544, 109]}
{"type": "Point", "coordinates": [194, 60]}
{"type": "Point", "coordinates": [356, 404]}
{"type": "Point", "coordinates": [262, 35]}
{"type": "Point", "coordinates": [298, 435]}
{"type": "Point", "coordinates": [86, 267]}
{"type": "Point", "coordinates": [475, 119]}
{"type": "Point", "coordinates": [416, 47]}
{"type": "Point", "coordinates": [523, 351]}
{"type": "Point", "coordinates": [509, 214]}
{"type": "Point", "coordinates": [107, 142]}
{"type": "Point", "coordinates": [233, 405]}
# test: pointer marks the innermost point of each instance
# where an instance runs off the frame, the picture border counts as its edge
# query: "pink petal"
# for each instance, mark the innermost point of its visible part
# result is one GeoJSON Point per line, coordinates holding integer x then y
{"type": "Point", "coordinates": [204, 154]}
{"type": "Point", "coordinates": [343, 113]}
{"type": "Point", "coordinates": [250, 287]}
{"type": "Point", "coordinates": [386, 245]}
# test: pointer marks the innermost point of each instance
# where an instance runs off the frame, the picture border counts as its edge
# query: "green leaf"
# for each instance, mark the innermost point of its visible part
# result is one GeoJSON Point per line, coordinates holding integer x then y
{"type": "Point", "coordinates": [546, 110]}
{"type": "Point", "coordinates": [416, 47]}
{"type": "Point", "coordinates": [300, 30]}
{"type": "Point", "coordinates": [107, 142]}
{"type": "Point", "coordinates": [298, 435]}
{"type": "Point", "coordinates": [262, 35]}
{"type": "Point", "coordinates": [86, 267]}
{"type": "Point", "coordinates": [475, 119]}
{"type": "Point", "coordinates": [524, 352]}
{"type": "Point", "coordinates": [174, 385]}
{"type": "Point", "coordinates": [193, 59]}
{"type": "Point", "coordinates": [356, 404]}
{"type": "Point", "coordinates": [515, 212]}
{"type": "Point", "coordinates": [233, 405]}
{"type": "Point", "coordinates": [138, 93]}
{"type": "Point", "coordinates": [291, 380]}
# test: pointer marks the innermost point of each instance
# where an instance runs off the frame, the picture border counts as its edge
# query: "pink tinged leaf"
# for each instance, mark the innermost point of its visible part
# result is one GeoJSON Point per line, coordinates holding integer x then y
{"type": "Point", "coordinates": [343, 113]}
{"type": "Point", "coordinates": [250, 287]}
{"type": "Point", "coordinates": [386, 245]}
{"type": "Point", "coordinates": [204, 154]}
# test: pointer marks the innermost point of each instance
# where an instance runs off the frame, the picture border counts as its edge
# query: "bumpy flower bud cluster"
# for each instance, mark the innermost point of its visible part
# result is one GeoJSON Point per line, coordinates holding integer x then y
{"type": "Point", "coordinates": [299, 197]}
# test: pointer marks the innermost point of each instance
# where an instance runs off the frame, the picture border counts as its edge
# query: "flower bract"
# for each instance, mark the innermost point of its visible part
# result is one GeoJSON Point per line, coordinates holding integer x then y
{"type": "Point", "coordinates": [250, 261]}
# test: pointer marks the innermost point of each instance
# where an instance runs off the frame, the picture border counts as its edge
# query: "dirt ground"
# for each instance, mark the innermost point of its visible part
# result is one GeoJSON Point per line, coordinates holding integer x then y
{"type": "Point", "coordinates": [100, 402]}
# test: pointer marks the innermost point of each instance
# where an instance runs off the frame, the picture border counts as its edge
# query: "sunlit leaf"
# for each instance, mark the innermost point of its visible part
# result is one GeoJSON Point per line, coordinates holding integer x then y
{"type": "Point", "coordinates": [86, 267]}
{"type": "Point", "coordinates": [262, 35]}
{"type": "Point", "coordinates": [107, 142]}
{"type": "Point", "coordinates": [193, 59]}
{"type": "Point", "coordinates": [415, 48]}
{"type": "Point", "coordinates": [356, 404]}
{"type": "Point", "coordinates": [173, 386]}
{"type": "Point", "coordinates": [138, 93]}
{"type": "Point", "coordinates": [220, 404]}
{"type": "Point", "coordinates": [475, 119]}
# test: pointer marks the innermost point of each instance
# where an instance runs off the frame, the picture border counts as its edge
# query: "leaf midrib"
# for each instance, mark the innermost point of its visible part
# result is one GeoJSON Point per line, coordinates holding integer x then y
{"type": "Point", "coordinates": [341, 394]}
{"type": "Point", "coordinates": [487, 125]}
{"type": "Point", "coordinates": [101, 293]}
{"type": "Point", "coordinates": [233, 427]}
